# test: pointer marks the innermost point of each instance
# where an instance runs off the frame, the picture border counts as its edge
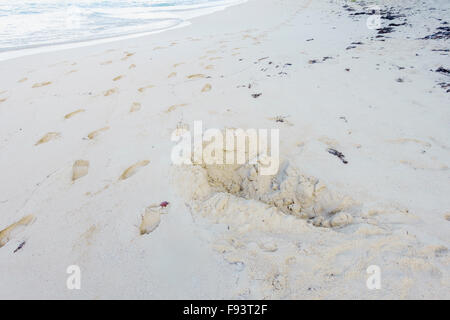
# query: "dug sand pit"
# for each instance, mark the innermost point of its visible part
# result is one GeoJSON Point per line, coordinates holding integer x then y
{"type": "Point", "coordinates": [288, 193]}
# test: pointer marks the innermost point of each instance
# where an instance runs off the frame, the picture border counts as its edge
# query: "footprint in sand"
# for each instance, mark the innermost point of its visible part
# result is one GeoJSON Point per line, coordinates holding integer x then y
{"type": "Point", "coordinates": [80, 169]}
{"type": "Point", "coordinates": [8, 233]}
{"type": "Point", "coordinates": [95, 133]}
{"type": "Point", "coordinates": [196, 76]}
{"type": "Point", "coordinates": [118, 78]}
{"type": "Point", "coordinates": [178, 64]}
{"type": "Point", "coordinates": [330, 142]}
{"type": "Point", "coordinates": [207, 88]}
{"type": "Point", "coordinates": [417, 165]}
{"type": "Point", "coordinates": [173, 74]}
{"type": "Point", "coordinates": [150, 221]}
{"type": "Point", "coordinates": [70, 115]}
{"type": "Point", "coordinates": [88, 235]}
{"type": "Point", "coordinates": [23, 80]}
{"type": "Point", "coordinates": [132, 66]}
{"type": "Point", "coordinates": [41, 84]}
{"type": "Point", "coordinates": [106, 62]}
{"type": "Point", "coordinates": [447, 217]}
{"type": "Point", "coordinates": [3, 100]}
{"type": "Point", "coordinates": [110, 92]}
{"type": "Point", "coordinates": [127, 55]}
{"type": "Point", "coordinates": [135, 106]}
{"type": "Point", "coordinates": [48, 137]}
{"type": "Point", "coordinates": [440, 144]}
{"type": "Point", "coordinates": [133, 169]}
{"type": "Point", "coordinates": [209, 67]}
{"type": "Point", "coordinates": [89, 193]}
{"type": "Point", "coordinates": [175, 106]}
{"type": "Point", "coordinates": [151, 218]}
{"type": "Point", "coordinates": [141, 90]}
{"type": "Point", "coordinates": [409, 140]}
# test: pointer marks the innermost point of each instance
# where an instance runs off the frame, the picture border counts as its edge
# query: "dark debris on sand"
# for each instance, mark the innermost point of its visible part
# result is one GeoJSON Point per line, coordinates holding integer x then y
{"type": "Point", "coordinates": [385, 30]}
{"type": "Point", "coordinates": [20, 246]}
{"type": "Point", "coordinates": [273, 69]}
{"type": "Point", "coordinates": [443, 71]}
{"type": "Point", "coordinates": [338, 154]}
{"type": "Point", "coordinates": [386, 14]}
{"type": "Point", "coordinates": [393, 17]}
{"type": "Point", "coordinates": [441, 33]}
{"type": "Point", "coordinates": [445, 86]}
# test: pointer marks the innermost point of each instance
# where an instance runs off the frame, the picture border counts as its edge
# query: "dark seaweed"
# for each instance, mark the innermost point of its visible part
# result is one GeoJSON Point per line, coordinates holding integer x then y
{"type": "Point", "coordinates": [338, 154]}
{"type": "Point", "coordinates": [442, 33]}
{"type": "Point", "coordinates": [443, 70]}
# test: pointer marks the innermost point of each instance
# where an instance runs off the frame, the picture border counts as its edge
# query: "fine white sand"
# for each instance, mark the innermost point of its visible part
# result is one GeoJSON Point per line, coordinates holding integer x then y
{"type": "Point", "coordinates": [85, 144]}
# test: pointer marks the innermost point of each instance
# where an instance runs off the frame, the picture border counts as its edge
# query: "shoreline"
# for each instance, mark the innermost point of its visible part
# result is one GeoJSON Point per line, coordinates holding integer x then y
{"type": "Point", "coordinates": [89, 181]}
{"type": "Point", "coordinates": [41, 49]}
{"type": "Point", "coordinates": [12, 53]}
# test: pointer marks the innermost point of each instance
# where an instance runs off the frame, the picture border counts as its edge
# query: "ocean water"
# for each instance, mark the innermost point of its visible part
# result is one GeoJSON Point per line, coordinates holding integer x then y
{"type": "Point", "coordinates": [30, 24]}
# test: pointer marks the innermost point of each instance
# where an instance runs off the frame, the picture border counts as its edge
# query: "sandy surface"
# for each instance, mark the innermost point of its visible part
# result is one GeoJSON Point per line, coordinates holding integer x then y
{"type": "Point", "coordinates": [86, 144]}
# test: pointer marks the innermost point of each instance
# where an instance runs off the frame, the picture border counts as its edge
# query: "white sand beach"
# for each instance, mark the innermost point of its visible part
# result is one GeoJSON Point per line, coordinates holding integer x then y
{"type": "Point", "coordinates": [85, 152]}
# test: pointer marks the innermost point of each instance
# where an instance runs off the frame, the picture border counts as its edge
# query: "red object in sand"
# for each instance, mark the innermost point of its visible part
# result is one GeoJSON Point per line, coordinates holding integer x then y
{"type": "Point", "coordinates": [164, 204]}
